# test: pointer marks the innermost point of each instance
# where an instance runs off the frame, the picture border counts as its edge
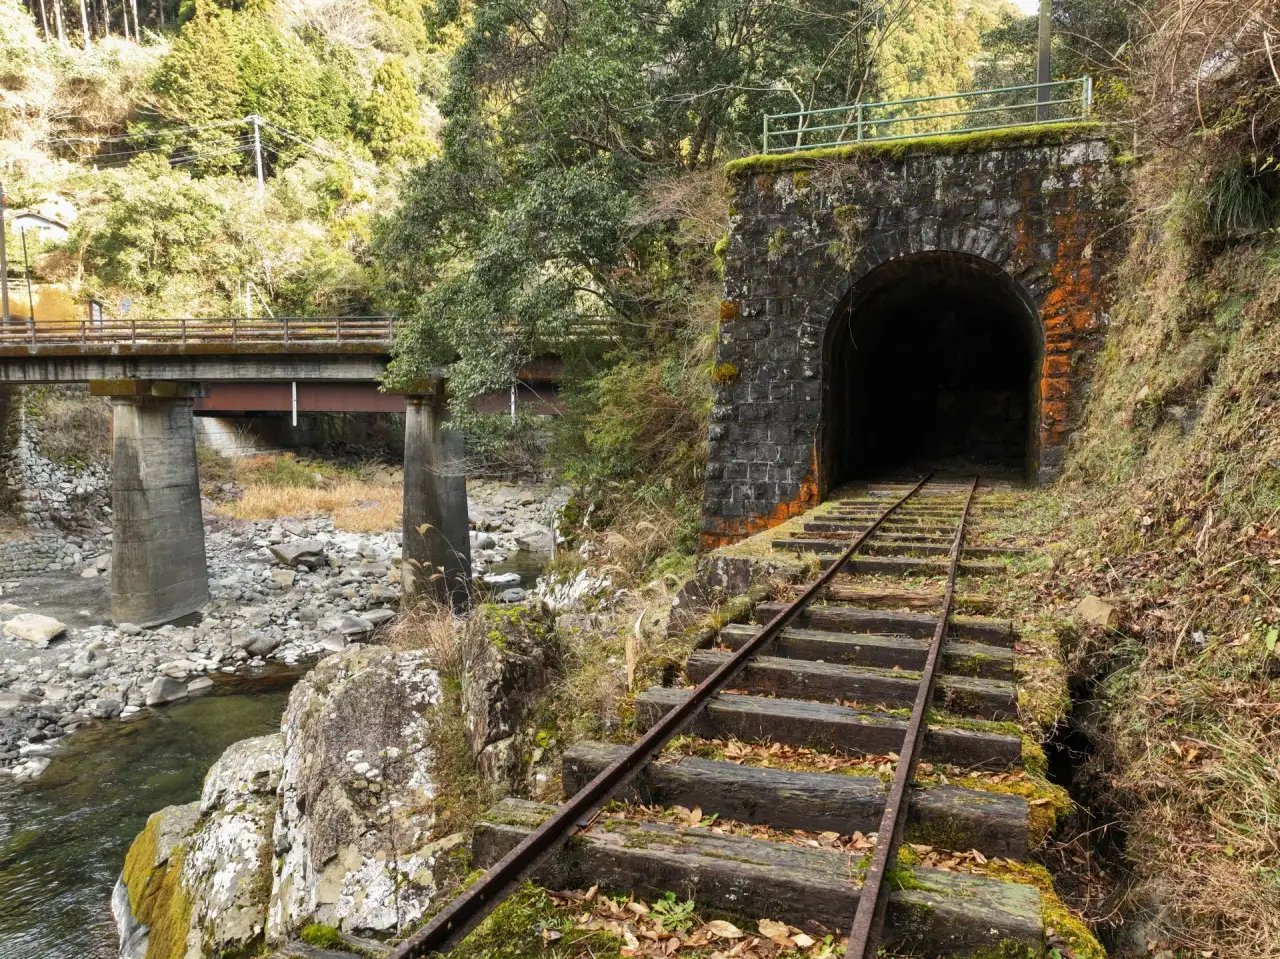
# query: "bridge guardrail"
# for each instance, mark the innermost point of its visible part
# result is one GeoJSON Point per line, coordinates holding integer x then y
{"type": "Point", "coordinates": [229, 331]}
{"type": "Point", "coordinates": [1062, 101]}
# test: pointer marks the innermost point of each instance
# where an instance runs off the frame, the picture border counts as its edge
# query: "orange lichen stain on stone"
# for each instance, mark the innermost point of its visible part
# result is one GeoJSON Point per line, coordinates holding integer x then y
{"type": "Point", "coordinates": [728, 311]}
{"type": "Point", "coordinates": [732, 529]}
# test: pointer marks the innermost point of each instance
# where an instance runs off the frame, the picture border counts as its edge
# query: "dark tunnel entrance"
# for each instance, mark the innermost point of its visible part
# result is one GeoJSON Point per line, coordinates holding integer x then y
{"type": "Point", "coordinates": [932, 361]}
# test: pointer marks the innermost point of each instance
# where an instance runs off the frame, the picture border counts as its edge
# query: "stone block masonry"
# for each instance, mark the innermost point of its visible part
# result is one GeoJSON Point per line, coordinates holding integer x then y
{"type": "Point", "coordinates": [1039, 206]}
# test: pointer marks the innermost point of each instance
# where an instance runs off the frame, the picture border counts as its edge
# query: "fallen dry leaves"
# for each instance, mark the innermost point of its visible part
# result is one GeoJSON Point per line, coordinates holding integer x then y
{"type": "Point", "coordinates": [695, 819]}
{"type": "Point", "coordinates": [646, 933]}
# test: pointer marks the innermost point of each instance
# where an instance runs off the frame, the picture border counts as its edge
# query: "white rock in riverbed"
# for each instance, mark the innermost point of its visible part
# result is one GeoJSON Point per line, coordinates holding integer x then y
{"type": "Point", "coordinates": [35, 628]}
{"type": "Point", "coordinates": [165, 689]}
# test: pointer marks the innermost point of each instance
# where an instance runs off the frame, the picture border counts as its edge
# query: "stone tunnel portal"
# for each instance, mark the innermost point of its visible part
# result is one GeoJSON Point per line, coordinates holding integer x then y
{"type": "Point", "coordinates": [932, 360]}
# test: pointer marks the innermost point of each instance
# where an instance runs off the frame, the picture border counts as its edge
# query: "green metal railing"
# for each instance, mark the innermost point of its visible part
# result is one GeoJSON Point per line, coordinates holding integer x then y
{"type": "Point", "coordinates": [1063, 101]}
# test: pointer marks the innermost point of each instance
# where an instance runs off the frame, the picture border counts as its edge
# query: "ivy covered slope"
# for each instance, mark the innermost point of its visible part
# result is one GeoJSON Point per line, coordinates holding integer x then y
{"type": "Point", "coordinates": [140, 148]}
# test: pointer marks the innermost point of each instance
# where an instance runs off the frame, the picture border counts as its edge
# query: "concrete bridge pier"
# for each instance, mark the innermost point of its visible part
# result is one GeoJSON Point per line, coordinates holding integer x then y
{"type": "Point", "coordinates": [436, 544]}
{"type": "Point", "coordinates": [158, 570]}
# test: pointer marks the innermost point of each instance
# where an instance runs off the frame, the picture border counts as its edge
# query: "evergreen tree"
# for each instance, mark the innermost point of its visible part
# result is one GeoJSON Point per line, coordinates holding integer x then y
{"type": "Point", "coordinates": [199, 81]}
{"type": "Point", "coordinates": [390, 119]}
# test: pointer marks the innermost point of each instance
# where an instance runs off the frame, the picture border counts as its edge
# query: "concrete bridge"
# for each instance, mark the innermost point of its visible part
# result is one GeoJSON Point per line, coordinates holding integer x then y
{"type": "Point", "coordinates": [153, 373]}
{"type": "Point", "coordinates": [889, 304]}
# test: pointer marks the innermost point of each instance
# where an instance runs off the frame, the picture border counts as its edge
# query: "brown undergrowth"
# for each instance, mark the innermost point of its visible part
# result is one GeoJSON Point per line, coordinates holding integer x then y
{"type": "Point", "coordinates": [1170, 509]}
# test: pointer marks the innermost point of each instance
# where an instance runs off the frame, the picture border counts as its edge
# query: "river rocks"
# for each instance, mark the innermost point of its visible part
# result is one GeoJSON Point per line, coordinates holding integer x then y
{"type": "Point", "coordinates": [534, 537]}
{"type": "Point", "coordinates": [34, 628]}
{"type": "Point", "coordinates": [353, 834]}
{"type": "Point", "coordinates": [302, 552]}
{"type": "Point", "coordinates": [502, 579]}
{"type": "Point", "coordinates": [261, 613]}
{"type": "Point", "coordinates": [12, 699]}
{"type": "Point", "coordinates": [165, 689]}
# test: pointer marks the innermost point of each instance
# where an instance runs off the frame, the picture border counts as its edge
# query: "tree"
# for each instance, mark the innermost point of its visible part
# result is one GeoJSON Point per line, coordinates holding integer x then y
{"type": "Point", "coordinates": [390, 120]}
{"type": "Point", "coordinates": [558, 113]}
{"type": "Point", "coordinates": [199, 81]}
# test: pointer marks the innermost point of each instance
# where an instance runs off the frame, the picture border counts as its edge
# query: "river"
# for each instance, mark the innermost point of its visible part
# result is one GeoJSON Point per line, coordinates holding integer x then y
{"type": "Point", "coordinates": [63, 838]}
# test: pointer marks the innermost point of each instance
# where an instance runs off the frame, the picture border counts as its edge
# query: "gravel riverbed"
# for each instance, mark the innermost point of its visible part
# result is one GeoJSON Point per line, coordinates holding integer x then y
{"type": "Point", "coordinates": [286, 592]}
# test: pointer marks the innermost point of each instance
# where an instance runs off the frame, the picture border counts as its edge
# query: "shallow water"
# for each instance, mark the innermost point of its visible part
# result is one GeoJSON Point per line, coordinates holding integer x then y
{"type": "Point", "coordinates": [63, 838]}
{"type": "Point", "coordinates": [528, 565]}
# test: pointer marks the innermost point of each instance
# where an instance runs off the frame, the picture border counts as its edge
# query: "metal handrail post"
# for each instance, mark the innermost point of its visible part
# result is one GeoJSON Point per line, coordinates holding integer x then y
{"type": "Point", "coordinates": [859, 122]}
{"type": "Point", "coordinates": [764, 139]}
{"type": "Point", "coordinates": [286, 331]}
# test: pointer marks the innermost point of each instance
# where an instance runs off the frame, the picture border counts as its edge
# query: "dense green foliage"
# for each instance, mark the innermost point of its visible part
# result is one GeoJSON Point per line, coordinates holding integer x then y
{"type": "Point", "coordinates": [143, 151]}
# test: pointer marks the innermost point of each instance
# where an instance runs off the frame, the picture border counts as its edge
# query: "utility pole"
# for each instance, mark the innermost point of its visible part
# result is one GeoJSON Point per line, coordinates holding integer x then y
{"type": "Point", "coordinates": [4, 267]}
{"type": "Point", "coordinates": [257, 153]}
{"type": "Point", "coordinates": [1043, 72]}
{"type": "Point", "coordinates": [26, 272]}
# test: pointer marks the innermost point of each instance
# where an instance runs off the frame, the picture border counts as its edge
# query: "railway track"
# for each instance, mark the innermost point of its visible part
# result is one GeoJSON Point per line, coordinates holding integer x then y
{"type": "Point", "coordinates": [842, 671]}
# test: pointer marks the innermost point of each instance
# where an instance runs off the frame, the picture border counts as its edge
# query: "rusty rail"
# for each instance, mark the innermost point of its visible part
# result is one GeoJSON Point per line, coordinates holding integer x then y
{"type": "Point", "coordinates": [868, 920]}
{"type": "Point", "coordinates": [470, 908]}
{"type": "Point", "coordinates": [231, 331]}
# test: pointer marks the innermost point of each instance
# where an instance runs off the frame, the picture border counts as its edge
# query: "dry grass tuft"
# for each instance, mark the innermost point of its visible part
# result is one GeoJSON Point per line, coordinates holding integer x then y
{"type": "Point", "coordinates": [355, 506]}
{"type": "Point", "coordinates": [283, 485]}
{"type": "Point", "coordinates": [454, 644]}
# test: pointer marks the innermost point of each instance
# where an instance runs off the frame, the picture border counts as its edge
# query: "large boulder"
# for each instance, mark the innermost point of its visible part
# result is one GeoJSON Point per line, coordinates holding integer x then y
{"type": "Point", "coordinates": [504, 684]}
{"type": "Point", "coordinates": [196, 880]}
{"type": "Point", "coordinates": [34, 628]}
{"type": "Point", "coordinates": [534, 537]}
{"type": "Point", "coordinates": [300, 552]}
{"type": "Point", "coordinates": [353, 839]}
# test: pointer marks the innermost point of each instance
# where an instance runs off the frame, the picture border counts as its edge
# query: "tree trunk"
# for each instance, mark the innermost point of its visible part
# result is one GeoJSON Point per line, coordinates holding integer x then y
{"type": "Point", "coordinates": [137, 25]}
{"type": "Point", "coordinates": [57, 18]}
{"type": "Point", "coordinates": [124, 16]}
{"type": "Point", "coordinates": [44, 19]}
{"type": "Point", "coordinates": [160, 11]}
{"type": "Point", "coordinates": [106, 18]}
{"type": "Point", "coordinates": [84, 23]}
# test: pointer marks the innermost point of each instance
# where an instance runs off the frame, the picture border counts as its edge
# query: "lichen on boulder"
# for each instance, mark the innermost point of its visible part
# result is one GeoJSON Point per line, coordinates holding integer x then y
{"type": "Point", "coordinates": [196, 879]}
{"type": "Point", "coordinates": [353, 833]}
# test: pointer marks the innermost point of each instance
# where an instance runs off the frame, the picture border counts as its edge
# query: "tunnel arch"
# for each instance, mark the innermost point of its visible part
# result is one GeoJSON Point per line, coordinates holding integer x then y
{"type": "Point", "coordinates": [931, 359]}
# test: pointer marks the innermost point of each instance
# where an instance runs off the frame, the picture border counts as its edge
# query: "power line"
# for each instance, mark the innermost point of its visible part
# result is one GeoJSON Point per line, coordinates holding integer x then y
{"type": "Point", "coordinates": [332, 155]}
{"type": "Point", "coordinates": [126, 153]}
{"type": "Point", "coordinates": [169, 131]}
